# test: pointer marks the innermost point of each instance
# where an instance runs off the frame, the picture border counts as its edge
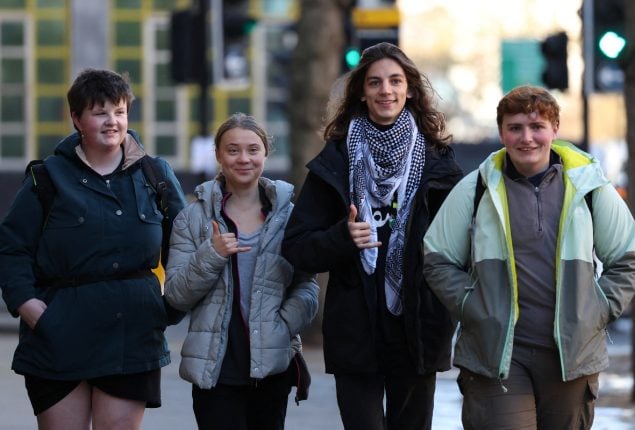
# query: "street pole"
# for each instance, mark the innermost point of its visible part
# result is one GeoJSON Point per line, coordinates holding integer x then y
{"type": "Point", "coordinates": [587, 77]}
{"type": "Point", "coordinates": [204, 75]}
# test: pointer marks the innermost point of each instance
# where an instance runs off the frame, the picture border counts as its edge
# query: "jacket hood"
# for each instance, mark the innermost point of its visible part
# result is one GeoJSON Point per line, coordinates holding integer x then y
{"type": "Point", "coordinates": [278, 192]}
{"type": "Point", "coordinates": [70, 147]}
{"type": "Point", "coordinates": [580, 168]}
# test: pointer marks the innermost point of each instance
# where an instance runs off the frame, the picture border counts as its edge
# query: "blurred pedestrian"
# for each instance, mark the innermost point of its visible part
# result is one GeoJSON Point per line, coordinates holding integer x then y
{"type": "Point", "coordinates": [514, 263]}
{"type": "Point", "coordinates": [79, 274]}
{"type": "Point", "coordinates": [247, 303]}
{"type": "Point", "coordinates": [361, 215]}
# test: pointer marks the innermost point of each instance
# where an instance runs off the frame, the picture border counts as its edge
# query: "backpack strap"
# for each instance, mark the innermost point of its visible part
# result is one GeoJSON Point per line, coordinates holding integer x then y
{"type": "Point", "coordinates": [478, 194]}
{"type": "Point", "coordinates": [588, 197]}
{"type": "Point", "coordinates": [154, 174]}
{"type": "Point", "coordinates": [42, 186]}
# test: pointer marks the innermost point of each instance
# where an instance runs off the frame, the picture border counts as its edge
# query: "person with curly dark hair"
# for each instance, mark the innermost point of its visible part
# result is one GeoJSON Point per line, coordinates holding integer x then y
{"type": "Point", "coordinates": [361, 215]}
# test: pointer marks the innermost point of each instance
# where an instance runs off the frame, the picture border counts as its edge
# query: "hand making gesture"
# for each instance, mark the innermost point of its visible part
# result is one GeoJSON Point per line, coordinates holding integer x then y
{"type": "Point", "coordinates": [360, 231]}
{"type": "Point", "coordinates": [226, 244]}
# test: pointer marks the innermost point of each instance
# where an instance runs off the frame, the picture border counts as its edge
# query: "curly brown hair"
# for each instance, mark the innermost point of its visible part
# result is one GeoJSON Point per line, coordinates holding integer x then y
{"type": "Point", "coordinates": [422, 106]}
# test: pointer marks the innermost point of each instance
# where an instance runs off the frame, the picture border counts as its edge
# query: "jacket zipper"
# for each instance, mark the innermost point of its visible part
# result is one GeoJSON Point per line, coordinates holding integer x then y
{"type": "Point", "coordinates": [538, 208]}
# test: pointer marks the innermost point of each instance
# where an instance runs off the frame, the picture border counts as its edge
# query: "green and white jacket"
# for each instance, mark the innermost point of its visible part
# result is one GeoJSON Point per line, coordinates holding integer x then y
{"type": "Point", "coordinates": [479, 286]}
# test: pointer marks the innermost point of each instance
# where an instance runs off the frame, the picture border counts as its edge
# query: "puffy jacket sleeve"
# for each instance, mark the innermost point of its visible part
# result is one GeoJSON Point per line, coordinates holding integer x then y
{"type": "Point", "coordinates": [317, 239]}
{"type": "Point", "coordinates": [447, 246]}
{"type": "Point", "coordinates": [194, 267]}
{"type": "Point", "coordinates": [614, 240]}
{"type": "Point", "coordinates": [301, 303]}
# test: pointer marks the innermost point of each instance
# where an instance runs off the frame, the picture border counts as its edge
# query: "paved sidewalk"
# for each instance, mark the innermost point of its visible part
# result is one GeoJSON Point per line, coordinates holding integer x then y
{"type": "Point", "coordinates": [319, 412]}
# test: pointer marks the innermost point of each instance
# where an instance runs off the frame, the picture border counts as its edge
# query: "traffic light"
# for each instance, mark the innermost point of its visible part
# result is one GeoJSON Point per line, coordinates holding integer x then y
{"type": "Point", "coordinates": [366, 26]}
{"type": "Point", "coordinates": [364, 38]}
{"type": "Point", "coordinates": [352, 55]}
{"type": "Point", "coordinates": [609, 42]}
{"type": "Point", "coordinates": [554, 52]}
{"type": "Point", "coordinates": [237, 25]}
{"type": "Point", "coordinates": [188, 46]}
{"type": "Point", "coordinates": [284, 40]}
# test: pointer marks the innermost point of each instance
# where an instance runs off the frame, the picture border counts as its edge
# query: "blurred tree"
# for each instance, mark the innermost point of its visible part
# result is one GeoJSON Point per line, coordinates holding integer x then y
{"type": "Point", "coordinates": [628, 63]}
{"type": "Point", "coordinates": [316, 65]}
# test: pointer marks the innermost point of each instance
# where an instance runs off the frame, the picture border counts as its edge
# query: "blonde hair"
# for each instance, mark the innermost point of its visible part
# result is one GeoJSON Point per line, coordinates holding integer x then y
{"type": "Point", "coordinates": [246, 122]}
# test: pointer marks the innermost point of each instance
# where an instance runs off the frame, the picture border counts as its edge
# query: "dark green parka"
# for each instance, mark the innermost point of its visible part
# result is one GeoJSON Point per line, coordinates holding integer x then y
{"type": "Point", "coordinates": [104, 235]}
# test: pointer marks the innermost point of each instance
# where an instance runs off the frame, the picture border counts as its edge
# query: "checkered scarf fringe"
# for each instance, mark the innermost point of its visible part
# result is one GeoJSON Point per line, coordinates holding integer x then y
{"type": "Point", "coordinates": [378, 162]}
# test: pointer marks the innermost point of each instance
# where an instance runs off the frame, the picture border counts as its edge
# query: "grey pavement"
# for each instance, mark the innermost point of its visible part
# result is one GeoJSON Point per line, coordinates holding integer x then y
{"type": "Point", "coordinates": [319, 412]}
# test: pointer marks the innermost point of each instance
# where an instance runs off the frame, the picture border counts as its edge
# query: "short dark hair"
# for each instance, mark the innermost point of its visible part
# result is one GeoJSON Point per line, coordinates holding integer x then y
{"type": "Point", "coordinates": [527, 99]}
{"type": "Point", "coordinates": [96, 86]}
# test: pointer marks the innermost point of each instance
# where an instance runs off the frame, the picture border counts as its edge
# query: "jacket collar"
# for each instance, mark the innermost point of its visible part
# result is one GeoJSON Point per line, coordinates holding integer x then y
{"type": "Point", "coordinates": [275, 195]}
{"type": "Point", "coordinates": [581, 170]}
{"type": "Point", "coordinates": [132, 148]}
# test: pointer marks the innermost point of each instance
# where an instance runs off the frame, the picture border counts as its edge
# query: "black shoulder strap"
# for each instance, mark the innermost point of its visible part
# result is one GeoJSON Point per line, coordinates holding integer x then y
{"type": "Point", "coordinates": [156, 178]}
{"type": "Point", "coordinates": [588, 197]}
{"type": "Point", "coordinates": [42, 185]}
{"type": "Point", "coordinates": [478, 194]}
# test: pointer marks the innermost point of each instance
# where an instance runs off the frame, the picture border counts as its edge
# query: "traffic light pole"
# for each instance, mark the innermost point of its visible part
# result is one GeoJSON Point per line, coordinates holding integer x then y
{"type": "Point", "coordinates": [587, 77]}
{"type": "Point", "coordinates": [204, 76]}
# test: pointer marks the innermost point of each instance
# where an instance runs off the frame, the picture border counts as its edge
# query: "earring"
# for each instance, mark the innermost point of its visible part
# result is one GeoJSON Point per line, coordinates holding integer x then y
{"type": "Point", "coordinates": [363, 99]}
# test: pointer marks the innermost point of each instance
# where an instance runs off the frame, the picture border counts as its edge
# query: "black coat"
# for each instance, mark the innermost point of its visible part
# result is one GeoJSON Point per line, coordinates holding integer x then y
{"type": "Point", "coordinates": [317, 240]}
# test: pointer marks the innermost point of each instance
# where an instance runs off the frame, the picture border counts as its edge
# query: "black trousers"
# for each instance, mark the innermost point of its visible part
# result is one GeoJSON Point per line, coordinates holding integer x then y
{"type": "Point", "coordinates": [409, 401]}
{"type": "Point", "coordinates": [243, 407]}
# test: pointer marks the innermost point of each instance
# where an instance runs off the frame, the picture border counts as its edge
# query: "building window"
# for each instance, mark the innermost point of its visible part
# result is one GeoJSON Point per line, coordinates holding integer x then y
{"type": "Point", "coordinates": [51, 109]}
{"type": "Point", "coordinates": [50, 33]}
{"type": "Point", "coordinates": [13, 91]}
{"type": "Point", "coordinates": [170, 104]}
{"type": "Point", "coordinates": [128, 34]}
{"type": "Point", "coordinates": [51, 71]}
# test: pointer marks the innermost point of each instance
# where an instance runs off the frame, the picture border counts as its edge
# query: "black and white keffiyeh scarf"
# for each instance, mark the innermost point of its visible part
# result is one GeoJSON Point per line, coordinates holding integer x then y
{"type": "Point", "coordinates": [380, 164]}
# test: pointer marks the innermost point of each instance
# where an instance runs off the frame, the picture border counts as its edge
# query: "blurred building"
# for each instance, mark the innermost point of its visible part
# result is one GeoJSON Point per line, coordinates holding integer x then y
{"type": "Point", "coordinates": [45, 43]}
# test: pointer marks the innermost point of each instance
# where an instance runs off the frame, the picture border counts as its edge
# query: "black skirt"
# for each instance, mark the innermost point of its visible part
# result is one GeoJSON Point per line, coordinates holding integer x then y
{"type": "Point", "coordinates": [145, 387]}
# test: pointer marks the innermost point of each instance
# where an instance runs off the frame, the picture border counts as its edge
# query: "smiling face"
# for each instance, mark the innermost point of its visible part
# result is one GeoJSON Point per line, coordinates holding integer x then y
{"type": "Point", "coordinates": [103, 127]}
{"type": "Point", "coordinates": [385, 91]}
{"type": "Point", "coordinates": [241, 155]}
{"type": "Point", "coordinates": [527, 138]}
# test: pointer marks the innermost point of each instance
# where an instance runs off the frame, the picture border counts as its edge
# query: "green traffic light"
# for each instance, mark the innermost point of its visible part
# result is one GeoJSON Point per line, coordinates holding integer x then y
{"type": "Point", "coordinates": [611, 44]}
{"type": "Point", "coordinates": [352, 57]}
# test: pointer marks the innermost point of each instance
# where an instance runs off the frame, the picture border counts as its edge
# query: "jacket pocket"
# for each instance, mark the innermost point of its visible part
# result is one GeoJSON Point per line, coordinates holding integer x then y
{"type": "Point", "coordinates": [66, 215]}
{"type": "Point", "coordinates": [603, 302]}
{"type": "Point", "coordinates": [148, 212]}
{"type": "Point", "coordinates": [147, 208]}
{"type": "Point", "coordinates": [466, 299]}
